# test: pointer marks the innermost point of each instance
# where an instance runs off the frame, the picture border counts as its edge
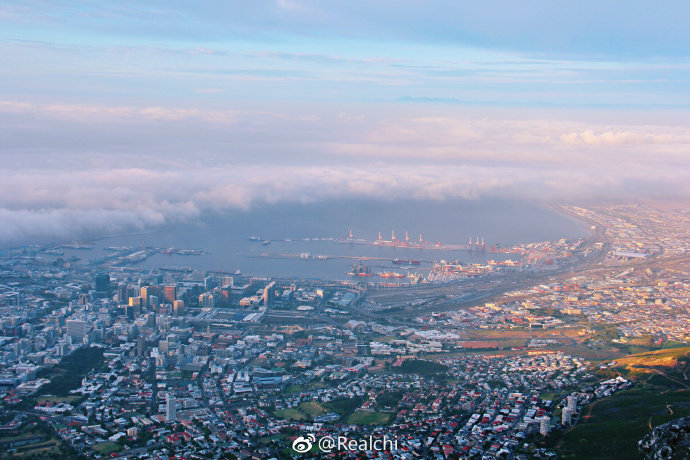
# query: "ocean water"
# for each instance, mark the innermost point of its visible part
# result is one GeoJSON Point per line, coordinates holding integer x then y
{"type": "Point", "coordinates": [322, 228]}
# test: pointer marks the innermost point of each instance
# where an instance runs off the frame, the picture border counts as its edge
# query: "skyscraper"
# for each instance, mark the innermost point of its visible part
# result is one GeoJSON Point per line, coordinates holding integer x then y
{"type": "Point", "coordinates": [170, 408]}
{"type": "Point", "coordinates": [102, 285]}
{"type": "Point", "coordinates": [572, 403]}
{"type": "Point", "coordinates": [144, 292]}
{"type": "Point", "coordinates": [169, 294]}
{"type": "Point", "coordinates": [141, 346]}
{"type": "Point", "coordinates": [153, 301]}
{"type": "Point", "coordinates": [76, 329]}
{"type": "Point", "coordinates": [122, 296]}
{"type": "Point", "coordinates": [137, 303]}
{"type": "Point", "coordinates": [544, 425]}
{"type": "Point", "coordinates": [178, 307]}
{"type": "Point", "coordinates": [268, 293]}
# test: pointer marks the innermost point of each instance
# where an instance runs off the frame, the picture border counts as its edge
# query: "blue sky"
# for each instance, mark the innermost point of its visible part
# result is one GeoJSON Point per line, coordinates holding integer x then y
{"type": "Point", "coordinates": [533, 53]}
{"type": "Point", "coordinates": [216, 105]}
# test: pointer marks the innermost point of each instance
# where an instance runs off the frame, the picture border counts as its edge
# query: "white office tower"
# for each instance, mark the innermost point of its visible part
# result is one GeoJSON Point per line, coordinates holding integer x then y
{"type": "Point", "coordinates": [566, 416]}
{"type": "Point", "coordinates": [544, 425]}
{"type": "Point", "coordinates": [572, 403]}
{"type": "Point", "coordinates": [170, 409]}
{"type": "Point", "coordinates": [76, 329]}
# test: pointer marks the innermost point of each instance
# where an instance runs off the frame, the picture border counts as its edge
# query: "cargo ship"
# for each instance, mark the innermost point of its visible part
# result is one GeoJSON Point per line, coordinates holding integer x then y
{"type": "Point", "coordinates": [406, 262]}
{"type": "Point", "coordinates": [360, 270]}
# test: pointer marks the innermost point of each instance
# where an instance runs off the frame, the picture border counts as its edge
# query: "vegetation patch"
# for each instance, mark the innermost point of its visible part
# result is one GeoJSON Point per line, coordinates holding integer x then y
{"type": "Point", "coordinates": [59, 399]}
{"type": "Point", "coordinates": [67, 375]}
{"type": "Point", "coordinates": [312, 408]}
{"type": "Point", "coordinates": [34, 439]}
{"type": "Point", "coordinates": [305, 411]}
{"type": "Point", "coordinates": [345, 406]}
{"type": "Point", "coordinates": [611, 427]}
{"type": "Point", "coordinates": [674, 344]}
{"type": "Point", "coordinates": [290, 389]}
{"type": "Point", "coordinates": [389, 399]}
{"type": "Point", "coordinates": [291, 414]}
{"type": "Point", "coordinates": [422, 367]}
{"type": "Point", "coordinates": [107, 448]}
{"type": "Point", "coordinates": [645, 362]}
{"type": "Point", "coordinates": [369, 418]}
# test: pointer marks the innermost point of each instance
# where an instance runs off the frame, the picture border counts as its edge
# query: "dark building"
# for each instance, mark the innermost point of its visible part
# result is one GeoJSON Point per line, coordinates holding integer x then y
{"type": "Point", "coordinates": [141, 346]}
{"type": "Point", "coordinates": [122, 293]}
{"type": "Point", "coordinates": [102, 285]}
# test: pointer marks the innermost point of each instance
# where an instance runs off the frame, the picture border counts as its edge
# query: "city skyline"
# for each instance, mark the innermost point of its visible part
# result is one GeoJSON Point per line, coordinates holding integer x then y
{"type": "Point", "coordinates": [292, 229]}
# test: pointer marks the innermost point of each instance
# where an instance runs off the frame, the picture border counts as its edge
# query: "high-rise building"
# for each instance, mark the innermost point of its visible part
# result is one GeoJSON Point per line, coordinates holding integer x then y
{"type": "Point", "coordinates": [170, 409]}
{"type": "Point", "coordinates": [151, 319]}
{"type": "Point", "coordinates": [63, 348]}
{"type": "Point", "coordinates": [153, 301]}
{"type": "Point", "coordinates": [76, 329]}
{"type": "Point", "coordinates": [572, 403]}
{"type": "Point", "coordinates": [135, 306]}
{"type": "Point", "coordinates": [544, 425]}
{"type": "Point", "coordinates": [144, 292]}
{"type": "Point", "coordinates": [141, 346]}
{"type": "Point", "coordinates": [566, 416]}
{"type": "Point", "coordinates": [178, 308]}
{"type": "Point", "coordinates": [122, 295]}
{"type": "Point", "coordinates": [170, 294]}
{"type": "Point", "coordinates": [268, 293]}
{"type": "Point", "coordinates": [102, 283]}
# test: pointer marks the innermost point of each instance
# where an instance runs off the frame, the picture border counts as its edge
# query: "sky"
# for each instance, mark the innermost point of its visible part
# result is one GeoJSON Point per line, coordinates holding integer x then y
{"type": "Point", "coordinates": [121, 114]}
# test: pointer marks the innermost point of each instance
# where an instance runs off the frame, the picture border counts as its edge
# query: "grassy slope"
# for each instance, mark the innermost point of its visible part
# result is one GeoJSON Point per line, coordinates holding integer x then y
{"type": "Point", "coordinates": [611, 427]}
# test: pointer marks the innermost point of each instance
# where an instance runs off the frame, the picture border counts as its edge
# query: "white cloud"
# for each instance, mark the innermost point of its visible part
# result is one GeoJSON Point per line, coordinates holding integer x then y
{"type": "Point", "coordinates": [63, 204]}
{"type": "Point", "coordinates": [74, 169]}
{"type": "Point", "coordinates": [615, 137]}
{"type": "Point", "coordinates": [99, 113]}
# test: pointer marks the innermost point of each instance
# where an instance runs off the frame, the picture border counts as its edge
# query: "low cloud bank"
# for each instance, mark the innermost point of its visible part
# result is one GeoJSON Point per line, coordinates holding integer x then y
{"type": "Point", "coordinates": [74, 170]}
{"type": "Point", "coordinates": [40, 205]}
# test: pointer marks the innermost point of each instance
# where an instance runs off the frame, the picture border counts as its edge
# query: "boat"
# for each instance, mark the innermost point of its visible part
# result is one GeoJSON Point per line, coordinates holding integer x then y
{"type": "Point", "coordinates": [176, 269]}
{"type": "Point", "coordinates": [406, 262]}
{"type": "Point", "coordinates": [360, 270]}
{"type": "Point", "coordinates": [190, 252]}
{"type": "Point", "coordinates": [391, 275]}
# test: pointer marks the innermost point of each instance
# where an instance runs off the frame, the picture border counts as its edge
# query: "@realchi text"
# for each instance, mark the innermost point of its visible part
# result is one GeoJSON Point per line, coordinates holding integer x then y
{"type": "Point", "coordinates": [303, 444]}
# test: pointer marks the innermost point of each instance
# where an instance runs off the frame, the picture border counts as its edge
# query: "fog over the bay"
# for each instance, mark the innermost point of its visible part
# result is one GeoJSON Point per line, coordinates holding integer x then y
{"type": "Point", "coordinates": [75, 169]}
{"type": "Point", "coordinates": [127, 115]}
